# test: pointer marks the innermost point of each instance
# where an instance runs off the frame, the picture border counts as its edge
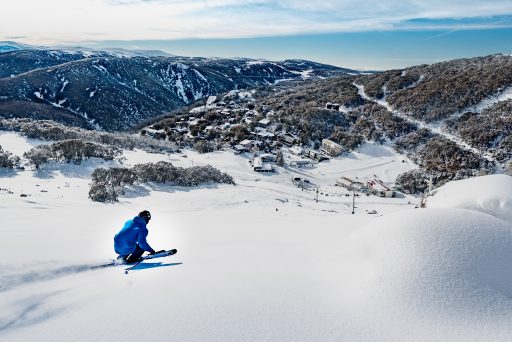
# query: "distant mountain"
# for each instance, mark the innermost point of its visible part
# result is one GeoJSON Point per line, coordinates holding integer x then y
{"type": "Point", "coordinates": [107, 90]}
{"type": "Point", "coordinates": [117, 52]}
{"type": "Point", "coordinates": [7, 46]}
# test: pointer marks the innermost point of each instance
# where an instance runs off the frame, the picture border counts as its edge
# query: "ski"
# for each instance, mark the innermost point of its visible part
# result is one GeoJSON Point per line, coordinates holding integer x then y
{"type": "Point", "coordinates": [160, 254]}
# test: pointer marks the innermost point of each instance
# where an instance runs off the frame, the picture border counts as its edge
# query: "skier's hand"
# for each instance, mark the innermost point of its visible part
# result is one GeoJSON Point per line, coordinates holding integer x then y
{"type": "Point", "coordinates": [152, 252]}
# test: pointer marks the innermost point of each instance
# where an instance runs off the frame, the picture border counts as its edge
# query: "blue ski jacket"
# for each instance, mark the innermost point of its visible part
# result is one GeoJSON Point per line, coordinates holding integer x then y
{"type": "Point", "coordinates": [133, 233]}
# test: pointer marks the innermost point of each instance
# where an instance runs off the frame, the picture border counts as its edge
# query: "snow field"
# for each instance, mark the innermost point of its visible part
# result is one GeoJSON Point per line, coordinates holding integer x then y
{"type": "Point", "coordinates": [247, 272]}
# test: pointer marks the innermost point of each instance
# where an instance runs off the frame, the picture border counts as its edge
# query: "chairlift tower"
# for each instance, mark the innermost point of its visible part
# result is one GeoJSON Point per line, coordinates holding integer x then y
{"type": "Point", "coordinates": [353, 201]}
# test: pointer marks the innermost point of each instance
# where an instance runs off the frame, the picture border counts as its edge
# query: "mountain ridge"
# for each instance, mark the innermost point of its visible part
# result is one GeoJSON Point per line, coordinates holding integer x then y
{"type": "Point", "coordinates": [108, 92]}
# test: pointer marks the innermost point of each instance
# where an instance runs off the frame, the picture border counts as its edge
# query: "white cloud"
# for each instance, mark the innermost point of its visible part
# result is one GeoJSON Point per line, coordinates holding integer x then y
{"type": "Point", "coordinates": [60, 21]}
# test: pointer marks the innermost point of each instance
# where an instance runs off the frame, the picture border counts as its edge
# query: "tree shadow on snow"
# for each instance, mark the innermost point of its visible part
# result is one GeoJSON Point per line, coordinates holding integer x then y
{"type": "Point", "coordinates": [143, 190]}
{"type": "Point", "coordinates": [82, 170]}
{"type": "Point", "coordinates": [145, 266]}
{"type": "Point", "coordinates": [7, 173]}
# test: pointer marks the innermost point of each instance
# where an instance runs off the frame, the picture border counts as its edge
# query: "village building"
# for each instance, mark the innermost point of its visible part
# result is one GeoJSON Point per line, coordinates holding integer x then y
{"type": "Point", "coordinates": [247, 144]}
{"type": "Point", "coordinates": [264, 135]}
{"type": "Point", "coordinates": [378, 188]}
{"type": "Point", "coordinates": [239, 149]}
{"type": "Point", "coordinates": [331, 148]}
{"type": "Point", "coordinates": [301, 163]}
{"type": "Point", "coordinates": [350, 184]}
{"type": "Point", "coordinates": [288, 139]}
{"type": "Point", "coordinates": [268, 158]}
{"type": "Point", "coordinates": [154, 133]}
{"type": "Point", "coordinates": [264, 123]}
{"type": "Point", "coordinates": [332, 106]}
{"type": "Point", "coordinates": [303, 183]}
{"type": "Point", "coordinates": [315, 155]}
{"type": "Point", "coordinates": [297, 150]}
{"type": "Point", "coordinates": [259, 166]}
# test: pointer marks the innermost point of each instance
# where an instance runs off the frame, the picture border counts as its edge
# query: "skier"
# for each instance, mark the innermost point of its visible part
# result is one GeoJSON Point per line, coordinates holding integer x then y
{"type": "Point", "coordinates": [130, 243]}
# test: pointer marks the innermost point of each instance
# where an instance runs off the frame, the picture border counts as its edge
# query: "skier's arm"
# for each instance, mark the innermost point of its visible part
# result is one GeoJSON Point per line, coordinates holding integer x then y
{"type": "Point", "coordinates": [141, 240]}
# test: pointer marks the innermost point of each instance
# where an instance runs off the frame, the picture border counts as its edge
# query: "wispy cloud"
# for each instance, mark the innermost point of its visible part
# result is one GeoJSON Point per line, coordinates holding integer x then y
{"type": "Point", "coordinates": [60, 21]}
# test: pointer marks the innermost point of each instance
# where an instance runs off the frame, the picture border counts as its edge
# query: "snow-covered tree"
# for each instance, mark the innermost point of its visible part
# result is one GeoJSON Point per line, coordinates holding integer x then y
{"type": "Point", "coordinates": [72, 150]}
{"type": "Point", "coordinates": [280, 158]}
{"type": "Point", "coordinates": [107, 184]}
{"type": "Point", "coordinates": [39, 155]}
{"type": "Point", "coordinates": [7, 159]}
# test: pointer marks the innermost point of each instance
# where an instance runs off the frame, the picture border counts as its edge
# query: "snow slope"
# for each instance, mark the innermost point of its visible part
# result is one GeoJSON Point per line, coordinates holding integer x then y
{"type": "Point", "coordinates": [259, 261]}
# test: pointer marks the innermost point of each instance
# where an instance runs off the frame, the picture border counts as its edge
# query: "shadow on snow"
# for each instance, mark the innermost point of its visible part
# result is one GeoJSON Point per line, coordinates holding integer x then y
{"type": "Point", "coordinates": [148, 265]}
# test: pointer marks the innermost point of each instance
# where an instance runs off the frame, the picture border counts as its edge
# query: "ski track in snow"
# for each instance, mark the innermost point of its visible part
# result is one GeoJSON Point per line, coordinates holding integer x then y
{"type": "Point", "coordinates": [11, 281]}
{"type": "Point", "coordinates": [433, 128]}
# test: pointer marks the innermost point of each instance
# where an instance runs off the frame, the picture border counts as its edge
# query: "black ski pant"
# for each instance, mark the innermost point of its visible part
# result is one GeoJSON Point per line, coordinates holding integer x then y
{"type": "Point", "coordinates": [135, 255]}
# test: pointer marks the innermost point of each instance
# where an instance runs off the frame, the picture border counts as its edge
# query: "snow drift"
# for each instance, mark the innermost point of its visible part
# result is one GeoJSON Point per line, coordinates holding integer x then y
{"type": "Point", "coordinates": [488, 194]}
{"type": "Point", "coordinates": [444, 272]}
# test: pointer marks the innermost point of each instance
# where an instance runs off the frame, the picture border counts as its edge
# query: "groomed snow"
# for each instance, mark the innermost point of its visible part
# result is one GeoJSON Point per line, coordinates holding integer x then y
{"type": "Point", "coordinates": [259, 261]}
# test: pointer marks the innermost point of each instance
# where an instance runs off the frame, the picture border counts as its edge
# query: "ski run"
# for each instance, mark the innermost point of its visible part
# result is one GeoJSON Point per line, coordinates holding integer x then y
{"type": "Point", "coordinates": [435, 128]}
{"type": "Point", "coordinates": [259, 261]}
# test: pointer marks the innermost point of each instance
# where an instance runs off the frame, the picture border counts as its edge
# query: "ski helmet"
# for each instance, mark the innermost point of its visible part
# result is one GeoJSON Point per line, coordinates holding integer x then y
{"type": "Point", "coordinates": [146, 215]}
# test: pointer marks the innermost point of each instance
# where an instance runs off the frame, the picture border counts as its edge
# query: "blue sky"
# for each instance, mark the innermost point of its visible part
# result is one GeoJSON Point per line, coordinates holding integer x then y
{"type": "Point", "coordinates": [364, 34]}
{"type": "Point", "coordinates": [361, 50]}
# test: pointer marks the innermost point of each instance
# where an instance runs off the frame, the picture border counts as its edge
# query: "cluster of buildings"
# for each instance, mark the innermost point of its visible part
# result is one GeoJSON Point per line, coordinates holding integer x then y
{"type": "Point", "coordinates": [217, 119]}
{"type": "Point", "coordinates": [371, 187]}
